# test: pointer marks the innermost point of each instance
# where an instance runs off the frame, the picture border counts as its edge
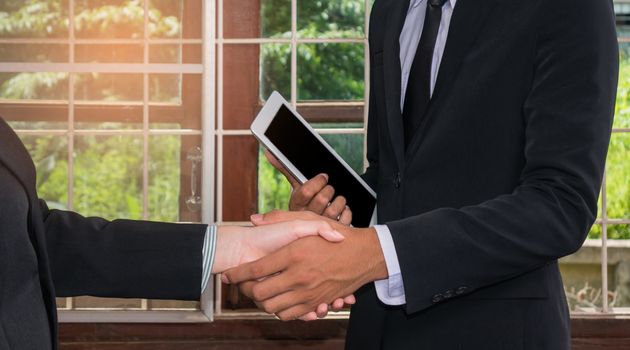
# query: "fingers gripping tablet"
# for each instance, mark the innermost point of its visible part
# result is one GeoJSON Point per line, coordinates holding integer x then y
{"type": "Point", "coordinates": [306, 154]}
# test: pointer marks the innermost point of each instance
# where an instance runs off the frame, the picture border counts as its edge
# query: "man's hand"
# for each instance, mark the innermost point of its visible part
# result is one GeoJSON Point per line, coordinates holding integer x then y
{"type": "Point", "coordinates": [311, 271]}
{"type": "Point", "coordinates": [314, 195]}
{"type": "Point", "coordinates": [278, 216]}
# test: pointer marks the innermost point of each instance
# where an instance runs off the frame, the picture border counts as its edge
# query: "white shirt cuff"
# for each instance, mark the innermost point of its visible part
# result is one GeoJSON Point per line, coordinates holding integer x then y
{"type": "Point", "coordinates": [390, 291]}
{"type": "Point", "coordinates": [208, 252]}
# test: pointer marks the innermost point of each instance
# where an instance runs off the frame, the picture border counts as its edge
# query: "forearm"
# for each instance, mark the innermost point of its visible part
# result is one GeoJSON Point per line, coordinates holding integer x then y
{"type": "Point", "coordinates": [123, 258]}
{"type": "Point", "coordinates": [485, 244]}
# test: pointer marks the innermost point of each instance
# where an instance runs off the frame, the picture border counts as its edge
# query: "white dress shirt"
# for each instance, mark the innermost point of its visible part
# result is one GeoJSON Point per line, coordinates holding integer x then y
{"type": "Point", "coordinates": [391, 291]}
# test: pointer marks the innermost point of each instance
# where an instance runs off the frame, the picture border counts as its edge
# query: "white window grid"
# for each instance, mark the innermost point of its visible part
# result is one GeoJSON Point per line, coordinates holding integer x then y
{"type": "Point", "coordinates": [220, 131]}
{"type": "Point", "coordinates": [213, 42]}
{"type": "Point", "coordinates": [69, 313]}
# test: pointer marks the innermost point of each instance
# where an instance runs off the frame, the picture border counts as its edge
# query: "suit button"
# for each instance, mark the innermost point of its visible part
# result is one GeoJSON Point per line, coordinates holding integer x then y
{"type": "Point", "coordinates": [449, 294]}
{"type": "Point", "coordinates": [461, 290]}
{"type": "Point", "coordinates": [397, 180]}
{"type": "Point", "coordinates": [437, 298]}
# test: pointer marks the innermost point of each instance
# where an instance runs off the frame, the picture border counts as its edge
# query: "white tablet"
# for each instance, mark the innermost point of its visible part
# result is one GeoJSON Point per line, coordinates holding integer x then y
{"type": "Point", "coordinates": [306, 154]}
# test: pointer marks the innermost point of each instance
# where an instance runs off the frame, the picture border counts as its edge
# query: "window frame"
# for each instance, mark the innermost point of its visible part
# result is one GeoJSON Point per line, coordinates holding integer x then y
{"type": "Point", "coordinates": [67, 111]}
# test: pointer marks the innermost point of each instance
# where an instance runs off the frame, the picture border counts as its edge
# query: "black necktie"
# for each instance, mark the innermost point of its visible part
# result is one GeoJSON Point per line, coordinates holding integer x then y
{"type": "Point", "coordinates": [418, 91]}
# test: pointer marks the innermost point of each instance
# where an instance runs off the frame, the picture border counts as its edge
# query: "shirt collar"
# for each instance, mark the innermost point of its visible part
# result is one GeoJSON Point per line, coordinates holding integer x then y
{"type": "Point", "coordinates": [414, 3]}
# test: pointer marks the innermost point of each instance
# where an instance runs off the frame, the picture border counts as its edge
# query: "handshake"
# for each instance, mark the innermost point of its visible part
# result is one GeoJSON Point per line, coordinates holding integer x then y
{"type": "Point", "coordinates": [302, 263]}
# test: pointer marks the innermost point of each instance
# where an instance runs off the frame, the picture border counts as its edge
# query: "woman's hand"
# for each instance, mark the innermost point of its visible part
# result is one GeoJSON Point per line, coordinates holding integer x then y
{"type": "Point", "coordinates": [237, 245]}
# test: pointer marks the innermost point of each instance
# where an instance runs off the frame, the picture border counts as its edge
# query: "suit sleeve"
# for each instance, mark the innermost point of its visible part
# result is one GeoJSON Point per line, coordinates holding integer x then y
{"type": "Point", "coordinates": [568, 119]}
{"type": "Point", "coordinates": [123, 258]}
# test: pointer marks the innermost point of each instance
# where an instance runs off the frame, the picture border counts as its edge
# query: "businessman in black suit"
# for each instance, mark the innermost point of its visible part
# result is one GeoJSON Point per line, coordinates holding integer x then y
{"type": "Point", "coordinates": [486, 147]}
{"type": "Point", "coordinates": [47, 253]}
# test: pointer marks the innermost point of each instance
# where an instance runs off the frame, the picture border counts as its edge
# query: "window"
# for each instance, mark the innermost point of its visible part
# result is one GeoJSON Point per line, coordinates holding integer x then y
{"type": "Point", "coordinates": [107, 97]}
{"type": "Point", "coordinates": [314, 53]}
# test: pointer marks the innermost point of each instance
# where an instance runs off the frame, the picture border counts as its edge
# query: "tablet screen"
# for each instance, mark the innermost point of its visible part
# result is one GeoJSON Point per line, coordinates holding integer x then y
{"type": "Point", "coordinates": [311, 158]}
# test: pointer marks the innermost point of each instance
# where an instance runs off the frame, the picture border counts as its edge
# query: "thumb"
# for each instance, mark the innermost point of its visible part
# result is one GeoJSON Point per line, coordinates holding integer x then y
{"type": "Point", "coordinates": [276, 164]}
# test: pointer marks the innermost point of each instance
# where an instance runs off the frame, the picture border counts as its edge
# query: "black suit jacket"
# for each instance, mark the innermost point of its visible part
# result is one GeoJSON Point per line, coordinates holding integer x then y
{"type": "Point", "coordinates": [46, 253]}
{"type": "Point", "coordinates": [501, 179]}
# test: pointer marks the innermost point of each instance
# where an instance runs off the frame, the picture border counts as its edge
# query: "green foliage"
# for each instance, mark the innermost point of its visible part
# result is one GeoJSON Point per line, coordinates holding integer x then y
{"type": "Point", "coordinates": [93, 18]}
{"type": "Point", "coordinates": [33, 18]}
{"type": "Point", "coordinates": [273, 189]}
{"type": "Point", "coordinates": [618, 162]}
{"type": "Point", "coordinates": [325, 71]}
{"type": "Point", "coordinates": [34, 86]}
{"type": "Point", "coordinates": [107, 170]}
{"type": "Point", "coordinates": [108, 175]}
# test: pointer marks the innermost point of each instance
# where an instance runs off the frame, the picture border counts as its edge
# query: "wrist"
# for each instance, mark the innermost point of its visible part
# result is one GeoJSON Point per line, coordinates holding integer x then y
{"type": "Point", "coordinates": [378, 268]}
{"type": "Point", "coordinates": [227, 248]}
{"type": "Point", "coordinates": [373, 263]}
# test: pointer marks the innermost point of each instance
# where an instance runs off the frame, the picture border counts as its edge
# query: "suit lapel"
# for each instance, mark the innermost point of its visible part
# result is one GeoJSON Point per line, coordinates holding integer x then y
{"type": "Point", "coordinates": [391, 62]}
{"type": "Point", "coordinates": [466, 21]}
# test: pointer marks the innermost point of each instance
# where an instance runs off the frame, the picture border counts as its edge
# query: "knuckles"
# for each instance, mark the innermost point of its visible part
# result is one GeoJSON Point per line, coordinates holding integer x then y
{"type": "Point", "coordinates": [321, 200]}
{"type": "Point", "coordinates": [305, 193]}
{"type": "Point", "coordinates": [258, 294]}
{"type": "Point", "coordinates": [257, 271]}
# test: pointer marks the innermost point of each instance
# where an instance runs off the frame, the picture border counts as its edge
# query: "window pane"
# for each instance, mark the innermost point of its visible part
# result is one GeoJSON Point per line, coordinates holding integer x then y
{"type": "Point", "coordinates": [34, 86]}
{"type": "Point", "coordinates": [175, 101]}
{"type": "Point", "coordinates": [108, 87]}
{"type": "Point", "coordinates": [276, 18]}
{"type": "Point", "coordinates": [254, 19]}
{"type": "Point", "coordinates": [251, 73]}
{"type": "Point", "coordinates": [349, 147]}
{"type": "Point", "coordinates": [582, 277]}
{"type": "Point", "coordinates": [622, 11]}
{"type": "Point", "coordinates": [240, 155]}
{"type": "Point", "coordinates": [175, 178]}
{"type": "Point", "coordinates": [175, 53]}
{"type": "Point", "coordinates": [619, 267]}
{"type": "Point", "coordinates": [33, 19]}
{"type": "Point", "coordinates": [50, 155]}
{"type": "Point", "coordinates": [331, 18]}
{"type": "Point", "coordinates": [100, 53]}
{"type": "Point", "coordinates": [32, 121]}
{"type": "Point", "coordinates": [275, 67]}
{"type": "Point", "coordinates": [165, 88]}
{"type": "Point", "coordinates": [91, 119]}
{"type": "Point", "coordinates": [330, 71]}
{"type": "Point", "coordinates": [108, 19]}
{"type": "Point", "coordinates": [108, 176]}
{"type": "Point", "coordinates": [622, 107]}
{"type": "Point", "coordinates": [164, 177]}
{"type": "Point", "coordinates": [618, 177]}
{"type": "Point", "coordinates": [274, 190]}
{"type": "Point", "coordinates": [33, 53]}
{"type": "Point", "coordinates": [169, 19]}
